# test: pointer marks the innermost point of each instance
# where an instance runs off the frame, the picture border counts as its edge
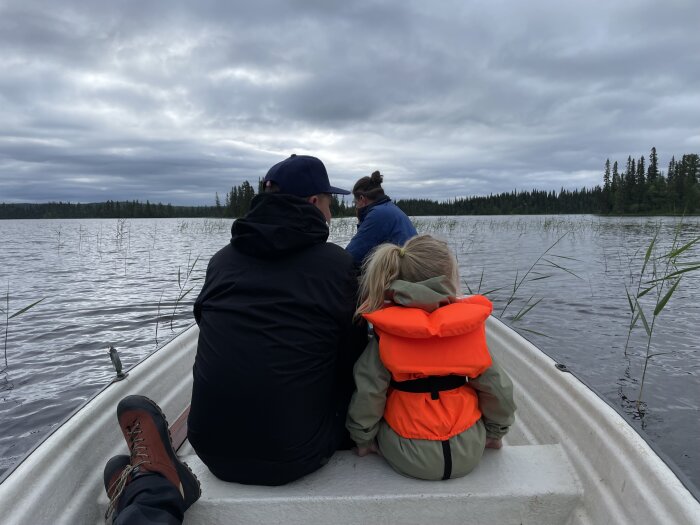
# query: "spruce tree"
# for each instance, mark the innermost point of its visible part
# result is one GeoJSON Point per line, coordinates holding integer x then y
{"type": "Point", "coordinates": [606, 201]}
{"type": "Point", "coordinates": [640, 185]}
{"type": "Point", "coordinates": [653, 170]}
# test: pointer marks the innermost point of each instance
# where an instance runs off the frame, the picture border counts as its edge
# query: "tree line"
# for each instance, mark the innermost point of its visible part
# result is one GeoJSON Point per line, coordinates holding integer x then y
{"type": "Point", "coordinates": [640, 188]}
{"type": "Point", "coordinates": [101, 210]}
{"type": "Point", "coordinates": [643, 189]}
{"type": "Point", "coordinates": [237, 202]}
{"type": "Point", "coordinates": [513, 203]}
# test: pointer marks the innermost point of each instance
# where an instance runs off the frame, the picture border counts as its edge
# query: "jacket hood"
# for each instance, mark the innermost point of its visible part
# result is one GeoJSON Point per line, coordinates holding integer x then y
{"type": "Point", "coordinates": [278, 224]}
{"type": "Point", "coordinates": [427, 295]}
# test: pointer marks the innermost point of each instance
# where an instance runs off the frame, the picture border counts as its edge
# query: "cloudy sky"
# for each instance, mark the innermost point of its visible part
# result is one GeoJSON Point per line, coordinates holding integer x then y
{"type": "Point", "coordinates": [173, 101]}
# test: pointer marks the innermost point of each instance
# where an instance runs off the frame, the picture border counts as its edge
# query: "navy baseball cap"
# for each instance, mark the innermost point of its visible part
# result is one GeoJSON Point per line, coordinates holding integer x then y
{"type": "Point", "coordinates": [303, 176]}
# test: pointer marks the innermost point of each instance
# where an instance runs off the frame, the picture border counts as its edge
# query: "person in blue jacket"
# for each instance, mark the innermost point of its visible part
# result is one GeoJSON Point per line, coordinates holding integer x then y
{"type": "Point", "coordinates": [379, 219]}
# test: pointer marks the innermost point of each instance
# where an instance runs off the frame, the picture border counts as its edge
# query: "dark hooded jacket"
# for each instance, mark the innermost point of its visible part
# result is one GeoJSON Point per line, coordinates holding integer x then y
{"type": "Point", "coordinates": [273, 371]}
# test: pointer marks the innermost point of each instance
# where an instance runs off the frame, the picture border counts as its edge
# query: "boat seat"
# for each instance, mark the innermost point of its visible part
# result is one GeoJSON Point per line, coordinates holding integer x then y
{"type": "Point", "coordinates": [532, 484]}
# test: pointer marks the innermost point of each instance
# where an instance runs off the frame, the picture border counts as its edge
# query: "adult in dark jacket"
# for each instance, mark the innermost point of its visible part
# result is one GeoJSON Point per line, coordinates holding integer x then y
{"type": "Point", "coordinates": [379, 219]}
{"type": "Point", "coordinates": [273, 371]}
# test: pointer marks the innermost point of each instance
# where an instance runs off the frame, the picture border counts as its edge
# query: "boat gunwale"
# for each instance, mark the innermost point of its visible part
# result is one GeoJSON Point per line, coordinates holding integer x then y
{"type": "Point", "coordinates": [5, 475]}
{"type": "Point", "coordinates": [683, 478]}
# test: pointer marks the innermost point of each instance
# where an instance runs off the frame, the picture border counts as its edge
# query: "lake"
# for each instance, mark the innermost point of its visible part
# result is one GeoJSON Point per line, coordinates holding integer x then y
{"type": "Point", "coordinates": [131, 284]}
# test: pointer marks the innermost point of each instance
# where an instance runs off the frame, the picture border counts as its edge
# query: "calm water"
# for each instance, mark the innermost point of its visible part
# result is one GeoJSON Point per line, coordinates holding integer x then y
{"type": "Point", "coordinates": [131, 284]}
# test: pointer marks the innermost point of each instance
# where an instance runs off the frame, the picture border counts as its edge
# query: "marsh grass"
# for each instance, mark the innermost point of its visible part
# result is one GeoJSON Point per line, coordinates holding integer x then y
{"type": "Point", "coordinates": [6, 311]}
{"type": "Point", "coordinates": [183, 281]}
{"type": "Point", "coordinates": [544, 267]}
{"type": "Point", "coordinates": [160, 299]}
{"type": "Point", "coordinates": [121, 231]}
{"type": "Point", "coordinates": [443, 224]}
{"type": "Point", "coordinates": [59, 243]}
{"type": "Point", "coordinates": [659, 278]}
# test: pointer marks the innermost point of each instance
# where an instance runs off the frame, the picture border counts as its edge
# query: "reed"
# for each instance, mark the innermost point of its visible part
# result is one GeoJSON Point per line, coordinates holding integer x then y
{"type": "Point", "coordinates": [548, 261]}
{"type": "Point", "coordinates": [121, 231]}
{"type": "Point", "coordinates": [80, 239]}
{"type": "Point", "coordinates": [8, 317]}
{"type": "Point", "coordinates": [160, 299]}
{"type": "Point", "coordinates": [660, 277]}
{"type": "Point", "coordinates": [182, 284]}
{"type": "Point", "coordinates": [59, 243]}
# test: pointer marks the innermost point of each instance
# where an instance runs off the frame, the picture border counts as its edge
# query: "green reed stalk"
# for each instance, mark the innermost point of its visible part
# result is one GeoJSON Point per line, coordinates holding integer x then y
{"type": "Point", "coordinates": [158, 314]}
{"type": "Point", "coordinates": [6, 311]}
{"type": "Point", "coordinates": [664, 284]}
{"type": "Point", "coordinates": [541, 260]}
{"type": "Point", "coordinates": [546, 260]}
{"type": "Point", "coordinates": [182, 284]}
{"type": "Point", "coordinates": [635, 314]}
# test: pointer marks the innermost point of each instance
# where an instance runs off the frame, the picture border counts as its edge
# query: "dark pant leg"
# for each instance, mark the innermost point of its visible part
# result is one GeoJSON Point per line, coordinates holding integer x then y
{"type": "Point", "coordinates": [250, 471]}
{"type": "Point", "coordinates": [253, 471]}
{"type": "Point", "coordinates": [150, 499]}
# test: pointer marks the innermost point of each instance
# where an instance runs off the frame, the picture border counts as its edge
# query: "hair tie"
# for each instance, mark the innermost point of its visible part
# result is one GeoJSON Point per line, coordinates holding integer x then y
{"type": "Point", "coordinates": [402, 252]}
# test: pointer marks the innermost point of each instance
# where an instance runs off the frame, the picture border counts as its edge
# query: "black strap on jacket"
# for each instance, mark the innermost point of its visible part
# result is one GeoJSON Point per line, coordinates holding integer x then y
{"type": "Point", "coordinates": [432, 384]}
{"type": "Point", "coordinates": [447, 454]}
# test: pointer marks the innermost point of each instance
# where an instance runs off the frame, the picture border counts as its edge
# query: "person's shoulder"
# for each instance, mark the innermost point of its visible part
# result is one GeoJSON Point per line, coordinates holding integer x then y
{"type": "Point", "coordinates": [330, 258]}
{"type": "Point", "coordinates": [221, 254]}
{"type": "Point", "coordinates": [381, 210]}
{"type": "Point", "coordinates": [222, 257]}
{"type": "Point", "coordinates": [224, 252]}
{"type": "Point", "coordinates": [330, 249]}
{"type": "Point", "coordinates": [385, 210]}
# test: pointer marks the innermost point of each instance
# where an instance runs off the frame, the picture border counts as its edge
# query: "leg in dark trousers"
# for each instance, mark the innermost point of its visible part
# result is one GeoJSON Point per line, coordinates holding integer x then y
{"type": "Point", "coordinates": [150, 499]}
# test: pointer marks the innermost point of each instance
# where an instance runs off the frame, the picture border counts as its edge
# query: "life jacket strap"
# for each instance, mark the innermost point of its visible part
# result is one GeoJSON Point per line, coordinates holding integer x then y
{"type": "Point", "coordinates": [432, 384]}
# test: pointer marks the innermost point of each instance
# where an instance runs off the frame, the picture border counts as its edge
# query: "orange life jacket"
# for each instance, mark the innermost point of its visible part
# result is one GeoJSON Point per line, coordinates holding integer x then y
{"type": "Point", "coordinates": [414, 344]}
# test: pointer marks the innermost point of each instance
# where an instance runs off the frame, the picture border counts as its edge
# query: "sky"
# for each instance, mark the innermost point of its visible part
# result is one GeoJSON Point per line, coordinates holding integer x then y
{"type": "Point", "coordinates": [174, 101]}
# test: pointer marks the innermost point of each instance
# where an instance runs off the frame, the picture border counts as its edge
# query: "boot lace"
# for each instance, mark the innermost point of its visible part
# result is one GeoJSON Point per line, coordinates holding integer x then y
{"type": "Point", "coordinates": [139, 456]}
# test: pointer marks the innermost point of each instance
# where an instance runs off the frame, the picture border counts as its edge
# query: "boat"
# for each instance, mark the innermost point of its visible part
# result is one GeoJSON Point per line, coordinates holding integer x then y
{"type": "Point", "coordinates": [570, 459]}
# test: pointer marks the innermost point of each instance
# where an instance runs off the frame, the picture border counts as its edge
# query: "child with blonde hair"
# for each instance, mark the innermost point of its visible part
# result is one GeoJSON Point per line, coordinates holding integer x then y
{"type": "Point", "coordinates": [429, 396]}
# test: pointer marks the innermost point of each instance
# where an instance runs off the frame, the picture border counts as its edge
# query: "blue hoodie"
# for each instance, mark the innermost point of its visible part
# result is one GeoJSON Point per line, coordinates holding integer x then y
{"type": "Point", "coordinates": [380, 222]}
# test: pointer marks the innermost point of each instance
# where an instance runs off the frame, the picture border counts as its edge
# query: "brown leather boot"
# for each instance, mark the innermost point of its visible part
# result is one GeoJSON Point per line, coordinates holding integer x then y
{"type": "Point", "coordinates": [147, 435]}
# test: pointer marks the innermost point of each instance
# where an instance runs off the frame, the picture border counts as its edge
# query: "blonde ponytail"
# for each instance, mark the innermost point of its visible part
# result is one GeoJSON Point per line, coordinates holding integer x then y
{"type": "Point", "coordinates": [421, 258]}
{"type": "Point", "coordinates": [380, 269]}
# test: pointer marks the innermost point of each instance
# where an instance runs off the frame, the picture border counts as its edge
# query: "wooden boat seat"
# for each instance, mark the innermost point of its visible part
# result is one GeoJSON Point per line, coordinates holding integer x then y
{"type": "Point", "coordinates": [517, 484]}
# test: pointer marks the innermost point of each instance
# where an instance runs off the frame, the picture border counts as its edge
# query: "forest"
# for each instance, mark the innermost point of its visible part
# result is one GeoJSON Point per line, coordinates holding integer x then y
{"type": "Point", "coordinates": [639, 187]}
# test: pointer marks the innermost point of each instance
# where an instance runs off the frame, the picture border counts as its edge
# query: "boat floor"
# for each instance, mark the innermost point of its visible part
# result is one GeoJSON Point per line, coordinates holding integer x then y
{"type": "Point", "coordinates": [517, 484]}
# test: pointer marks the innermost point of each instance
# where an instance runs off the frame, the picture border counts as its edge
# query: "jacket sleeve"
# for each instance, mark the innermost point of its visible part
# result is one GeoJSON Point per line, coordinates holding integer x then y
{"type": "Point", "coordinates": [369, 235]}
{"type": "Point", "coordinates": [495, 391]}
{"type": "Point", "coordinates": [367, 404]}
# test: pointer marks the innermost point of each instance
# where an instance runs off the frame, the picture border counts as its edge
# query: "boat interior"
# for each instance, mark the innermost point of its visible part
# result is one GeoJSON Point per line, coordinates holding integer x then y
{"type": "Point", "coordinates": [569, 459]}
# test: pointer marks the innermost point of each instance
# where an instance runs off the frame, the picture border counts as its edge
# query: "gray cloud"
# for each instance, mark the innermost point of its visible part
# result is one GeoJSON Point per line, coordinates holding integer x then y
{"type": "Point", "coordinates": [174, 101]}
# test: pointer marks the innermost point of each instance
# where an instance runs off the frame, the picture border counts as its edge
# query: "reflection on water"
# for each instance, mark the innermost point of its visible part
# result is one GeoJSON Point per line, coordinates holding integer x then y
{"type": "Point", "coordinates": [125, 283]}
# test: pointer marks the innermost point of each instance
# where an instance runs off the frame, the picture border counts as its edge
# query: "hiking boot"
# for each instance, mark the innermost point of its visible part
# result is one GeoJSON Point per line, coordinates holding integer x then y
{"type": "Point", "coordinates": [146, 432]}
